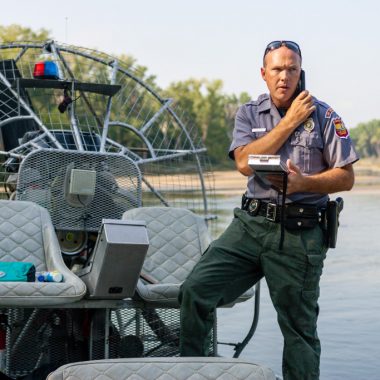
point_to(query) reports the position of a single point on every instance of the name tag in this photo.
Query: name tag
(258, 129)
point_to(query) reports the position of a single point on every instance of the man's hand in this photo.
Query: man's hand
(301, 108)
(327, 182)
(295, 179)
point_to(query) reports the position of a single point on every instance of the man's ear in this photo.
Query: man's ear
(263, 73)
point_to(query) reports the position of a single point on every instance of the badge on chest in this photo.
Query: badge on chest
(308, 125)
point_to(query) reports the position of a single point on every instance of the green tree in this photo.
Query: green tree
(15, 33)
(232, 102)
(375, 139)
(212, 111)
(221, 122)
(188, 96)
(139, 70)
(366, 137)
(217, 140)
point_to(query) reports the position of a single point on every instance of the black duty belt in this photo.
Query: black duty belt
(297, 215)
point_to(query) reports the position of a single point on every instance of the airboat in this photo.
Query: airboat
(108, 183)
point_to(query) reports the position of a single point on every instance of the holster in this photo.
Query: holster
(333, 210)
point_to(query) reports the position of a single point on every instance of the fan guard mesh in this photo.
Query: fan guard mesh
(42, 180)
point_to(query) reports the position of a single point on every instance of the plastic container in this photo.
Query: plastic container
(53, 276)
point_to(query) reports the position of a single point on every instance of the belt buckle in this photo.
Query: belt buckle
(271, 212)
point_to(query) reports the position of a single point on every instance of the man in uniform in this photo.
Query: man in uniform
(286, 243)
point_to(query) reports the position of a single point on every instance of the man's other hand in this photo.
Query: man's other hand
(301, 108)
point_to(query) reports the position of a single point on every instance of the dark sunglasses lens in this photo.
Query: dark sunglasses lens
(273, 46)
(293, 46)
(277, 44)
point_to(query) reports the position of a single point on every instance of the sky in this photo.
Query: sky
(220, 39)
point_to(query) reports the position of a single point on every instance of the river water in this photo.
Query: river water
(349, 320)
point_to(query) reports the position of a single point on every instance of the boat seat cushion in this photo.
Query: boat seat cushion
(164, 369)
(27, 234)
(177, 240)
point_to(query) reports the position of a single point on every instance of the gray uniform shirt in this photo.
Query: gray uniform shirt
(321, 142)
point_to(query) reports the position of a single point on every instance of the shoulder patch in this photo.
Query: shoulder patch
(328, 113)
(340, 129)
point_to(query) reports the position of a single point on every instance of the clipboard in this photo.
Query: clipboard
(267, 163)
(263, 165)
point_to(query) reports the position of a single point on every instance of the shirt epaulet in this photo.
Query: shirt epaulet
(325, 112)
(323, 105)
(263, 103)
(258, 102)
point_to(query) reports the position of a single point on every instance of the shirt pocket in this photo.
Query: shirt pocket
(307, 151)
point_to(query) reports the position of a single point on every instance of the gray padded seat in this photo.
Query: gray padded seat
(177, 239)
(27, 234)
(163, 369)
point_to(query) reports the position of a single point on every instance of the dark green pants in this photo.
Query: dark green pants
(245, 252)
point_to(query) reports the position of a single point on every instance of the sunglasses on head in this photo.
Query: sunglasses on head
(277, 44)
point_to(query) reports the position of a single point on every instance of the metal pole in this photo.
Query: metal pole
(108, 110)
(107, 334)
(74, 125)
(240, 346)
(167, 104)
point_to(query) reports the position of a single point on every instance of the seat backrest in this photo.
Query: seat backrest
(21, 233)
(164, 368)
(27, 234)
(177, 239)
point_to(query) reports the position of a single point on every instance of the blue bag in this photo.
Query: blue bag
(17, 271)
